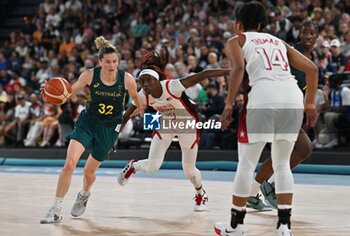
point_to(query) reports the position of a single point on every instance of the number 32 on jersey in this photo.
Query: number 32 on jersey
(105, 109)
(275, 59)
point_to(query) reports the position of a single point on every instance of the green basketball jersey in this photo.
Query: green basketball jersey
(106, 103)
(299, 75)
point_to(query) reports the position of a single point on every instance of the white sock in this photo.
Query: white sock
(271, 179)
(238, 208)
(84, 193)
(58, 202)
(284, 206)
(255, 188)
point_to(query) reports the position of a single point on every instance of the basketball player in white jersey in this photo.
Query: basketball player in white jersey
(168, 98)
(274, 111)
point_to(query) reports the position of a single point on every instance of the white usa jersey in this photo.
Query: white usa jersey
(266, 58)
(173, 104)
(175, 108)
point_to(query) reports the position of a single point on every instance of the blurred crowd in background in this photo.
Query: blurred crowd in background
(59, 41)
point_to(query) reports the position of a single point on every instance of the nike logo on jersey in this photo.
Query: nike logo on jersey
(169, 98)
(96, 85)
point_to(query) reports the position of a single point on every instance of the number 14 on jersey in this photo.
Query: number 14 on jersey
(275, 59)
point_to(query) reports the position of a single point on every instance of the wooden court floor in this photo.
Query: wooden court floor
(151, 206)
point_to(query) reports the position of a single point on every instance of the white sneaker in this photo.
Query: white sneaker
(283, 230)
(126, 173)
(225, 229)
(53, 216)
(200, 202)
(79, 205)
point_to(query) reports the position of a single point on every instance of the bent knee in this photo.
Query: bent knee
(69, 166)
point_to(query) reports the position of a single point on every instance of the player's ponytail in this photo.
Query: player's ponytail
(104, 47)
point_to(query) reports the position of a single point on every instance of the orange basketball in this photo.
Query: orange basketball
(57, 90)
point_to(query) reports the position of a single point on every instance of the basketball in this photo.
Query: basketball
(57, 91)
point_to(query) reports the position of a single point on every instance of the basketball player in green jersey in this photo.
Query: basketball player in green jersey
(97, 127)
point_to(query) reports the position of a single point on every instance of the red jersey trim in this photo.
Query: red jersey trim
(242, 135)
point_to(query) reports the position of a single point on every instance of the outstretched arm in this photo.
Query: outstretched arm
(191, 80)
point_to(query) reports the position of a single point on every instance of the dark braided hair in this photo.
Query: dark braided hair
(155, 61)
(251, 15)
